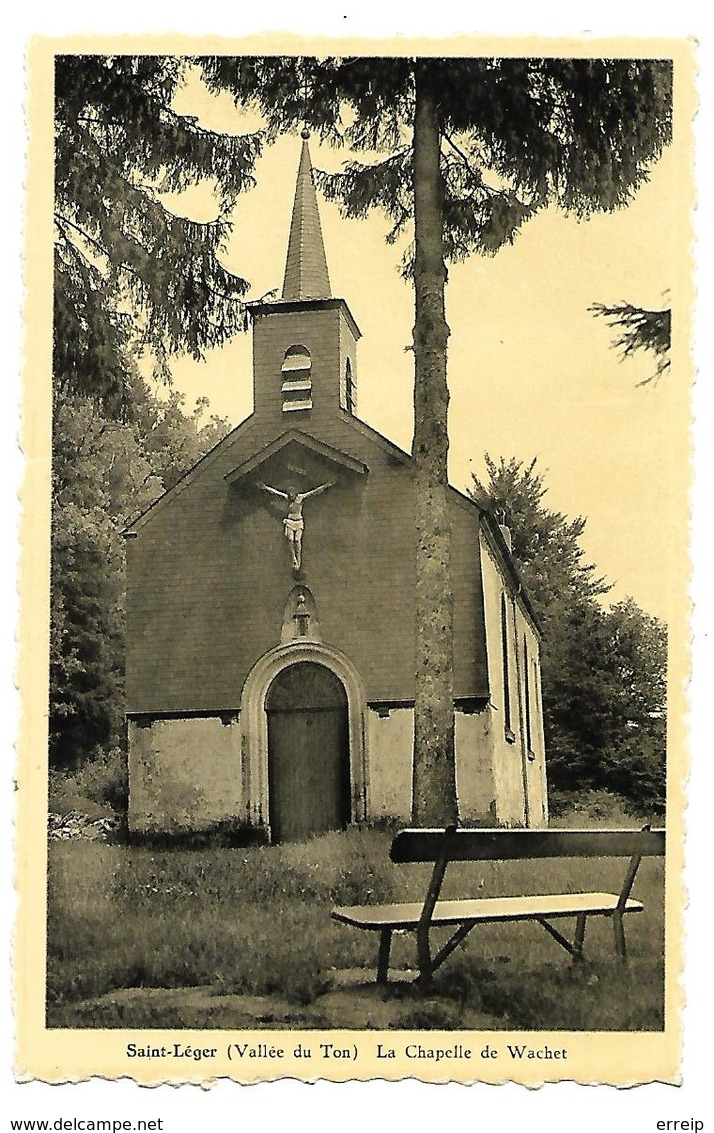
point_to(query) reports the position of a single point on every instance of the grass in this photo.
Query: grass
(255, 921)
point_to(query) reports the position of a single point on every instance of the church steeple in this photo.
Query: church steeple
(305, 343)
(306, 275)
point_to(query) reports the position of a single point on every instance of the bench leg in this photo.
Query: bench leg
(385, 944)
(579, 937)
(461, 933)
(619, 931)
(425, 980)
(576, 948)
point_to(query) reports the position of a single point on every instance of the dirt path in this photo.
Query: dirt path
(353, 1002)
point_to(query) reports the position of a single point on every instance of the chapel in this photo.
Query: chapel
(270, 599)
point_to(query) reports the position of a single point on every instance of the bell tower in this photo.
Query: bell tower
(305, 343)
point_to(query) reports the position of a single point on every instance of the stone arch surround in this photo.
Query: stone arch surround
(254, 724)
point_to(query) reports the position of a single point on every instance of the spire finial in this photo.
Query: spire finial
(305, 132)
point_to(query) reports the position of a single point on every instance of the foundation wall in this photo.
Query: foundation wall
(184, 774)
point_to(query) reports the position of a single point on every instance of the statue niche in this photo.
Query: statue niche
(300, 620)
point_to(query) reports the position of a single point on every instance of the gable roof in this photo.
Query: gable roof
(304, 440)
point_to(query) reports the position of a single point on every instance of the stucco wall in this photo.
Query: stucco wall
(475, 787)
(540, 771)
(187, 773)
(390, 739)
(508, 780)
(184, 774)
(516, 764)
(391, 743)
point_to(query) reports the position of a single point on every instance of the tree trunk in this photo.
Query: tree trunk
(434, 776)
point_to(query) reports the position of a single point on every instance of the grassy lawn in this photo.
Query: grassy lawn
(255, 922)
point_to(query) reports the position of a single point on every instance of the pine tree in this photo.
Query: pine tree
(131, 275)
(640, 329)
(468, 150)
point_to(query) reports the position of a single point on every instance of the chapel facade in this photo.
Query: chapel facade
(270, 597)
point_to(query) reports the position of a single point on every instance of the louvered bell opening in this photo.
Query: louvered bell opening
(297, 379)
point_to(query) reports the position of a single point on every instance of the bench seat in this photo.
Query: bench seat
(484, 909)
(477, 844)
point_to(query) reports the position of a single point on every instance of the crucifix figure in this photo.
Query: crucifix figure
(294, 524)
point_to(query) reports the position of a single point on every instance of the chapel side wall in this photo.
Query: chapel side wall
(506, 754)
(519, 757)
(184, 774)
(532, 729)
(470, 659)
(540, 733)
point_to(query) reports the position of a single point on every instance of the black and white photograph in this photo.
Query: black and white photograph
(354, 677)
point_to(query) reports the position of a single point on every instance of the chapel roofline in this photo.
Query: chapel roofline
(307, 441)
(284, 306)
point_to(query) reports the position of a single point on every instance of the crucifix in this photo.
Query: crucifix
(294, 524)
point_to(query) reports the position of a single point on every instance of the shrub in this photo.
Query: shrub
(590, 807)
(98, 788)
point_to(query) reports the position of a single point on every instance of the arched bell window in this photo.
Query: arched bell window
(296, 373)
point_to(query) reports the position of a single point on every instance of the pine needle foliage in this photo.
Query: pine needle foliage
(640, 330)
(132, 275)
(517, 134)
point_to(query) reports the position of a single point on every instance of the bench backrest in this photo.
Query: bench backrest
(479, 844)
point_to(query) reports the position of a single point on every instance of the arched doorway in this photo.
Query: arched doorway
(308, 752)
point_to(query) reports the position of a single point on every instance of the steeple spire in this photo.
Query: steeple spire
(306, 274)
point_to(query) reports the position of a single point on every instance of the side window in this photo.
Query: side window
(537, 696)
(527, 694)
(348, 389)
(505, 659)
(296, 373)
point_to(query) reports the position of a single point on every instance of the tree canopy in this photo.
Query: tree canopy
(545, 543)
(516, 135)
(131, 273)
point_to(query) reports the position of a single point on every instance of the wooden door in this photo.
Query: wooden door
(308, 753)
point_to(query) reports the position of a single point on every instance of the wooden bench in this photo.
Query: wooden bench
(458, 844)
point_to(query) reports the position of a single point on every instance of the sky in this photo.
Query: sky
(532, 373)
